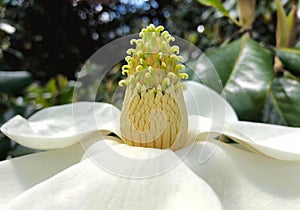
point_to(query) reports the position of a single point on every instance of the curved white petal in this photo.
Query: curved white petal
(279, 142)
(247, 181)
(86, 185)
(200, 128)
(19, 174)
(62, 126)
(201, 100)
(276, 141)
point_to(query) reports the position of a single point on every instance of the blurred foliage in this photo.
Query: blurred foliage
(261, 81)
(13, 82)
(56, 37)
(18, 96)
(44, 44)
(56, 91)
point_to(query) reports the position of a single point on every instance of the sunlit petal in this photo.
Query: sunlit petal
(200, 129)
(88, 186)
(276, 141)
(201, 100)
(19, 174)
(61, 126)
(247, 181)
(280, 142)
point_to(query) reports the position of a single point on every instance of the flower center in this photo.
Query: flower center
(154, 113)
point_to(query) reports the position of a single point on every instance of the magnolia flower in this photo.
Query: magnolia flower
(163, 154)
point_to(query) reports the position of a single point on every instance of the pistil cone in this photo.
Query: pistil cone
(154, 112)
(154, 118)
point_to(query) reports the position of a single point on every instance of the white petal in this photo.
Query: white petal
(201, 100)
(62, 126)
(276, 141)
(247, 181)
(19, 174)
(200, 128)
(88, 186)
(279, 142)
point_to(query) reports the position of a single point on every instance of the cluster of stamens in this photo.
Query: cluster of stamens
(154, 64)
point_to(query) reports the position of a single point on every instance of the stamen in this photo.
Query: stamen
(133, 41)
(174, 49)
(166, 82)
(123, 82)
(160, 28)
(125, 69)
(131, 51)
(163, 66)
(180, 85)
(139, 68)
(171, 39)
(128, 59)
(178, 68)
(184, 76)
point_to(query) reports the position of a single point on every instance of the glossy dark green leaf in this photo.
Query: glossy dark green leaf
(285, 95)
(14, 81)
(270, 114)
(245, 70)
(290, 59)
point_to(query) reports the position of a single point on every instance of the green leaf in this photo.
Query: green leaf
(217, 4)
(246, 12)
(292, 25)
(270, 114)
(245, 70)
(290, 59)
(291, 18)
(285, 95)
(282, 28)
(51, 86)
(14, 81)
